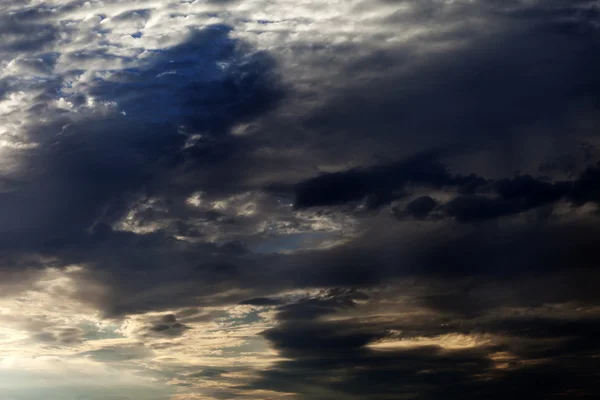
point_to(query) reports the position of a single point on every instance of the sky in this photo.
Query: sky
(299, 199)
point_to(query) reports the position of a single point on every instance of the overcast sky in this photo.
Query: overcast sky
(299, 199)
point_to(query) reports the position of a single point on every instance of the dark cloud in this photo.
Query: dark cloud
(524, 193)
(514, 196)
(59, 336)
(418, 208)
(208, 373)
(21, 32)
(95, 168)
(486, 89)
(116, 354)
(327, 303)
(383, 182)
(261, 301)
(208, 83)
(478, 198)
(167, 326)
(331, 359)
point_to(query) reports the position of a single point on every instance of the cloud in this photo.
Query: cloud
(167, 326)
(118, 353)
(313, 307)
(477, 198)
(65, 336)
(258, 199)
(418, 208)
(261, 301)
(381, 184)
(346, 347)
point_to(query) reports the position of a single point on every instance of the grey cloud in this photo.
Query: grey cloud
(326, 303)
(419, 208)
(92, 170)
(480, 92)
(59, 336)
(261, 301)
(478, 198)
(330, 359)
(167, 326)
(21, 33)
(117, 354)
(383, 182)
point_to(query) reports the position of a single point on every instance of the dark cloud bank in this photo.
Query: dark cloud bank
(484, 251)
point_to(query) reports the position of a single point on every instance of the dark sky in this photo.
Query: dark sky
(312, 200)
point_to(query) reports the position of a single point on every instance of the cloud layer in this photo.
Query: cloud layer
(314, 200)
